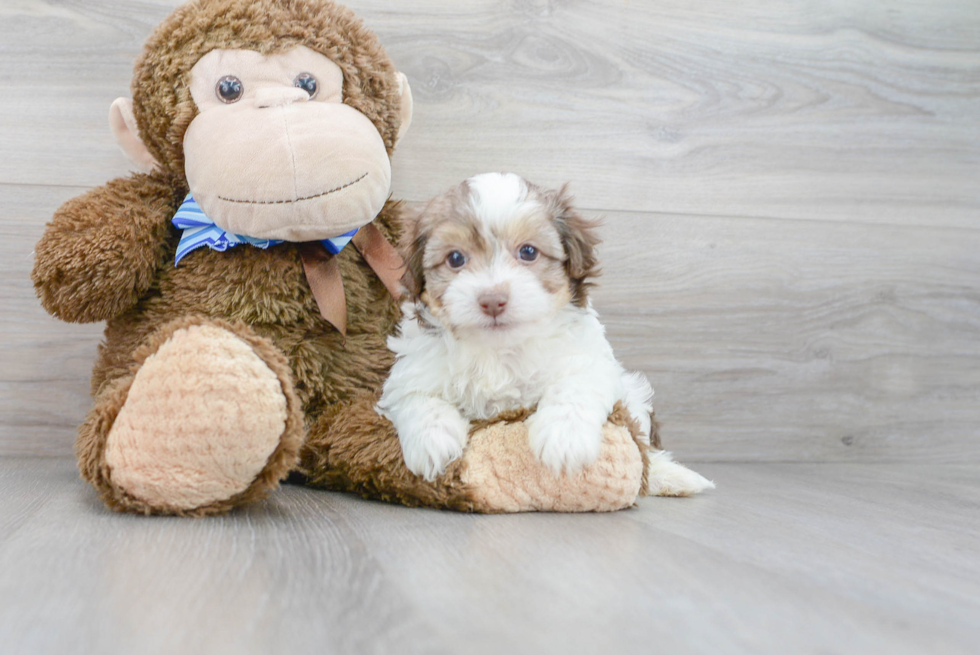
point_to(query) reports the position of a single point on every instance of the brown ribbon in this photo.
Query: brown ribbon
(323, 272)
(382, 257)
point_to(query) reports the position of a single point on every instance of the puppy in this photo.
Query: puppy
(499, 272)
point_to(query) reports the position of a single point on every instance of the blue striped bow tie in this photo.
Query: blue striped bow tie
(200, 231)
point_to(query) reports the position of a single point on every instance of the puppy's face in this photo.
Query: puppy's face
(497, 253)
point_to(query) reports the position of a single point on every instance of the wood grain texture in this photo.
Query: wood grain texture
(844, 110)
(816, 298)
(766, 340)
(793, 222)
(44, 364)
(780, 559)
(795, 340)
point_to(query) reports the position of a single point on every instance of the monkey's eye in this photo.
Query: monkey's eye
(456, 259)
(229, 89)
(308, 83)
(527, 253)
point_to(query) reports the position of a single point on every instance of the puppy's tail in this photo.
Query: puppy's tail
(665, 477)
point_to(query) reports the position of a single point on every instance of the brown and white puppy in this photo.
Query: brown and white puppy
(499, 272)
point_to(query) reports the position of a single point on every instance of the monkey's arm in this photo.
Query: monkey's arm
(100, 252)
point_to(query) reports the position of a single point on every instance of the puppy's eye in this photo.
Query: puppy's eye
(527, 253)
(308, 83)
(456, 259)
(229, 89)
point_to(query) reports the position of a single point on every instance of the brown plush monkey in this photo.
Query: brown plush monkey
(241, 333)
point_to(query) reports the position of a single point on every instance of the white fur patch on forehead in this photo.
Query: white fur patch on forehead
(498, 197)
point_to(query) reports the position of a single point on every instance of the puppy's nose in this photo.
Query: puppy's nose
(492, 303)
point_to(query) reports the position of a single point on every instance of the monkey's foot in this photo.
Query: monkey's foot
(208, 421)
(351, 447)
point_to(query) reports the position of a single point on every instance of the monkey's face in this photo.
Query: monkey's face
(275, 154)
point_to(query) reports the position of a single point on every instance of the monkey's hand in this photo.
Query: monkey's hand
(101, 251)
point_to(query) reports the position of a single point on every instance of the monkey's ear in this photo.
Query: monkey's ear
(123, 124)
(406, 106)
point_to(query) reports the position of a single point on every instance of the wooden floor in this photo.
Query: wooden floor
(791, 194)
(782, 558)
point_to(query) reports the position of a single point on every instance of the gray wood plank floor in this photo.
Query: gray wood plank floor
(764, 342)
(790, 191)
(793, 110)
(782, 558)
(792, 228)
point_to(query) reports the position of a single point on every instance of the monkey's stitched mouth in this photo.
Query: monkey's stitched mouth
(289, 202)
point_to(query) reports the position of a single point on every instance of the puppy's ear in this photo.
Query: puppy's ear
(579, 237)
(412, 249)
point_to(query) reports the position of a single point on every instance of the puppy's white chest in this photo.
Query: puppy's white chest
(485, 386)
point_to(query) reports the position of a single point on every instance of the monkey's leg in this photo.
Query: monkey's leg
(352, 448)
(207, 420)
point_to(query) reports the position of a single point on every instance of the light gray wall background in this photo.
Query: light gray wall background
(791, 193)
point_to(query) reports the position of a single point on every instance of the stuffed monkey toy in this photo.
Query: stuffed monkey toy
(248, 281)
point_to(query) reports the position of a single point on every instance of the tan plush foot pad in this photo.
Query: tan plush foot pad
(351, 448)
(503, 474)
(202, 417)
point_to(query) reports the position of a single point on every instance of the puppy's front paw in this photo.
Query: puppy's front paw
(431, 447)
(565, 438)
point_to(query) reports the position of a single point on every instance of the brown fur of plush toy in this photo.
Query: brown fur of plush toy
(109, 255)
(353, 448)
